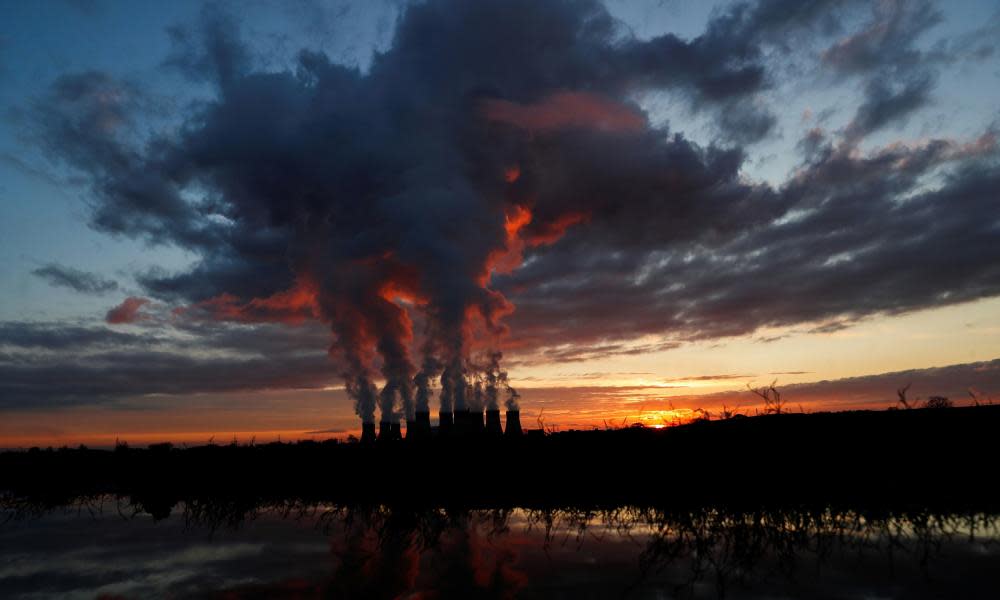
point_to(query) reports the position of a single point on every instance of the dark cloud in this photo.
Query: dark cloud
(980, 43)
(899, 75)
(745, 122)
(888, 39)
(61, 364)
(494, 134)
(848, 236)
(722, 376)
(63, 336)
(75, 279)
(117, 375)
(211, 50)
(342, 185)
(889, 102)
(89, 122)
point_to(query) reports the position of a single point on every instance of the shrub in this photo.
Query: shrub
(939, 402)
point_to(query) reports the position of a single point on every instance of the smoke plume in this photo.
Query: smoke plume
(423, 382)
(493, 131)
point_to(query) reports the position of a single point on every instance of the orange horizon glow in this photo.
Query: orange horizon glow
(581, 395)
(632, 407)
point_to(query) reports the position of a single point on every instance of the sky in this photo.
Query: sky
(280, 219)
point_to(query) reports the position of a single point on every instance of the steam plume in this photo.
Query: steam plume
(430, 369)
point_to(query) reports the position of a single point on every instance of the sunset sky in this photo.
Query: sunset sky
(260, 218)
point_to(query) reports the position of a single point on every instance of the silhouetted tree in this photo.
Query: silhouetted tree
(939, 402)
(773, 404)
(978, 399)
(901, 392)
(728, 413)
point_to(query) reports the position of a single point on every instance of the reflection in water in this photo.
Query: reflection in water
(115, 547)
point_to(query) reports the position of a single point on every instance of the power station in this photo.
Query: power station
(451, 424)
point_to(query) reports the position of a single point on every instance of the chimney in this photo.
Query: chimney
(493, 427)
(411, 430)
(445, 422)
(476, 422)
(461, 422)
(367, 433)
(395, 433)
(513, 423)
(384, 431)
(421, 426)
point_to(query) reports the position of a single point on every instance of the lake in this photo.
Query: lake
(105, 547)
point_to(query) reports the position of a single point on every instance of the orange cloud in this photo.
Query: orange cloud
(566, 110)
(127, 311)
(512, 174)
(291, 306)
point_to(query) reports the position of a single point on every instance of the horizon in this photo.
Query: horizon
(264, 219)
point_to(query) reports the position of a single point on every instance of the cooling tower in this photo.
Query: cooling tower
(476, 422)
(493, 426)
(367, 433)
(513, 423)
(461, 422)
(446, 423)
(422, 425)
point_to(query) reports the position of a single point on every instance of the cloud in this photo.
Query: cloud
(887, 39)
(127, 311)
(878, 391)
(61, 363)
(719, 377)
(382, 202)
(900, 77)
(75, 279)
(62, 336)
(566, 110)
(849, 236)
(884, 105)
(211, 50)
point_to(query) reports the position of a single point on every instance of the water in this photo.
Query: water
(109, 548)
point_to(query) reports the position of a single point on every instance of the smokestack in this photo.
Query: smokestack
(422, 424)
(445, 422)
(461, 422)
(493, 427)
(367, 433)
(411, 429)
(395, 433)
(476, 421)
(513, 423)
(384, 431)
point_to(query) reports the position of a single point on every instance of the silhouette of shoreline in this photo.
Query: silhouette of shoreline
(935, 459)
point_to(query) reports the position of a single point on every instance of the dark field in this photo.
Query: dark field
(925, 458)
(894, 504)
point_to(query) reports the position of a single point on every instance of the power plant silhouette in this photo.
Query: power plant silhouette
(455, 424)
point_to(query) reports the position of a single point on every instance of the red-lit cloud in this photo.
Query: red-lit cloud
(564, 110)
(127, 311)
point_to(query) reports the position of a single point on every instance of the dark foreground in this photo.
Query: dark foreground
(102, 547)
(926, 458)
(895, 504)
